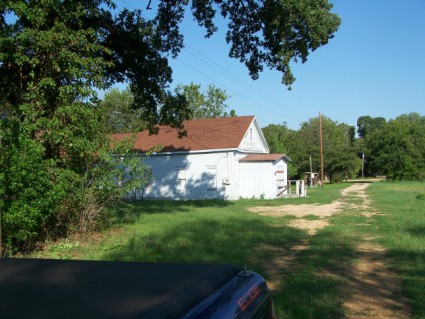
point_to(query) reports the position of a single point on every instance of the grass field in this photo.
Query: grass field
(226, 232)
(401, 230)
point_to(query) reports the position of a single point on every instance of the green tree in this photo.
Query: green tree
(339, 151)
(277, 137)
(211, 103)
(51, 63)
(397, 149)
(260, 33)
(282, 140)
(367, 124)
(119, 114)
(47, 34)
(54, 57)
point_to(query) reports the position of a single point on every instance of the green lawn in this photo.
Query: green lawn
(401, 231)
(226, 232)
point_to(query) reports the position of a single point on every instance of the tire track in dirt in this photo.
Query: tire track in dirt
(372, 291)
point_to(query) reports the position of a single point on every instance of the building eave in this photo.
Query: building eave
(193, 152)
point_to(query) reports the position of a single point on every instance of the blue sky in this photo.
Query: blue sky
(375, 65)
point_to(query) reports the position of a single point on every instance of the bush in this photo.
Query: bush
(44, 200)
(30, 196)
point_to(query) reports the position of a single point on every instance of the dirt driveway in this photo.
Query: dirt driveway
(374, 292)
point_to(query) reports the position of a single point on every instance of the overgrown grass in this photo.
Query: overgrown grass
(226, 232)
(194, 232)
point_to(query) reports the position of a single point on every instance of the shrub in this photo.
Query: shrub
(31, 196)
(44, 200)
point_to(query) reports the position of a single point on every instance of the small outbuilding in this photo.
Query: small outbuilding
(263, 175)
(311, 179)
(219, 158)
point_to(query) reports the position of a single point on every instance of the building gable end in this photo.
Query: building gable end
(253, 140)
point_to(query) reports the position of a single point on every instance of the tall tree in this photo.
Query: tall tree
(48, 34)
(283, 140)
(261, 34)
(339, 152)
(397, 149)
(119, 114)
(277, 137)
(210, 103)
(367, 124)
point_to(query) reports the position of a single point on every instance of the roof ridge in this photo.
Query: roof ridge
(202, 134)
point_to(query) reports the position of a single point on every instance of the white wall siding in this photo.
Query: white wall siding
(189, 176)
(257, 180)
(216, 173)
(262, 179)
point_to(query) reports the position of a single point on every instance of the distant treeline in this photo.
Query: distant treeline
(394, 148)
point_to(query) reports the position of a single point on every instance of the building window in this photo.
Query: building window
(280, 175)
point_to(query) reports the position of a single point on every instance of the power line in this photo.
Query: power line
(203, 58)
(208, 61)
(215, 81)
(211, 63)
(227, 73)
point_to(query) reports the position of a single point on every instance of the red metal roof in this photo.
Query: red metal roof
(202, 134)
(262, 157)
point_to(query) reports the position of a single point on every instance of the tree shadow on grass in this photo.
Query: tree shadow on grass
(129, 213)
(417, 231)
(313, 289)
(208, 240)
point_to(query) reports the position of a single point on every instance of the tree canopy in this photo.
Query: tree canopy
(339, 150)
(367, 125)
(205, 104)
(282, 140)
(397, 148)
(61, 50)
(340, 156)
(118, 113)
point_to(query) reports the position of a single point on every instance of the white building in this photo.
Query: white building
(223, 158)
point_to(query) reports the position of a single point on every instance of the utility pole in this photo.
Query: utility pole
(362, 165)
(322, 171)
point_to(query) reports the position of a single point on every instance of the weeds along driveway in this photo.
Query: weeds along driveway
(337, 271)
